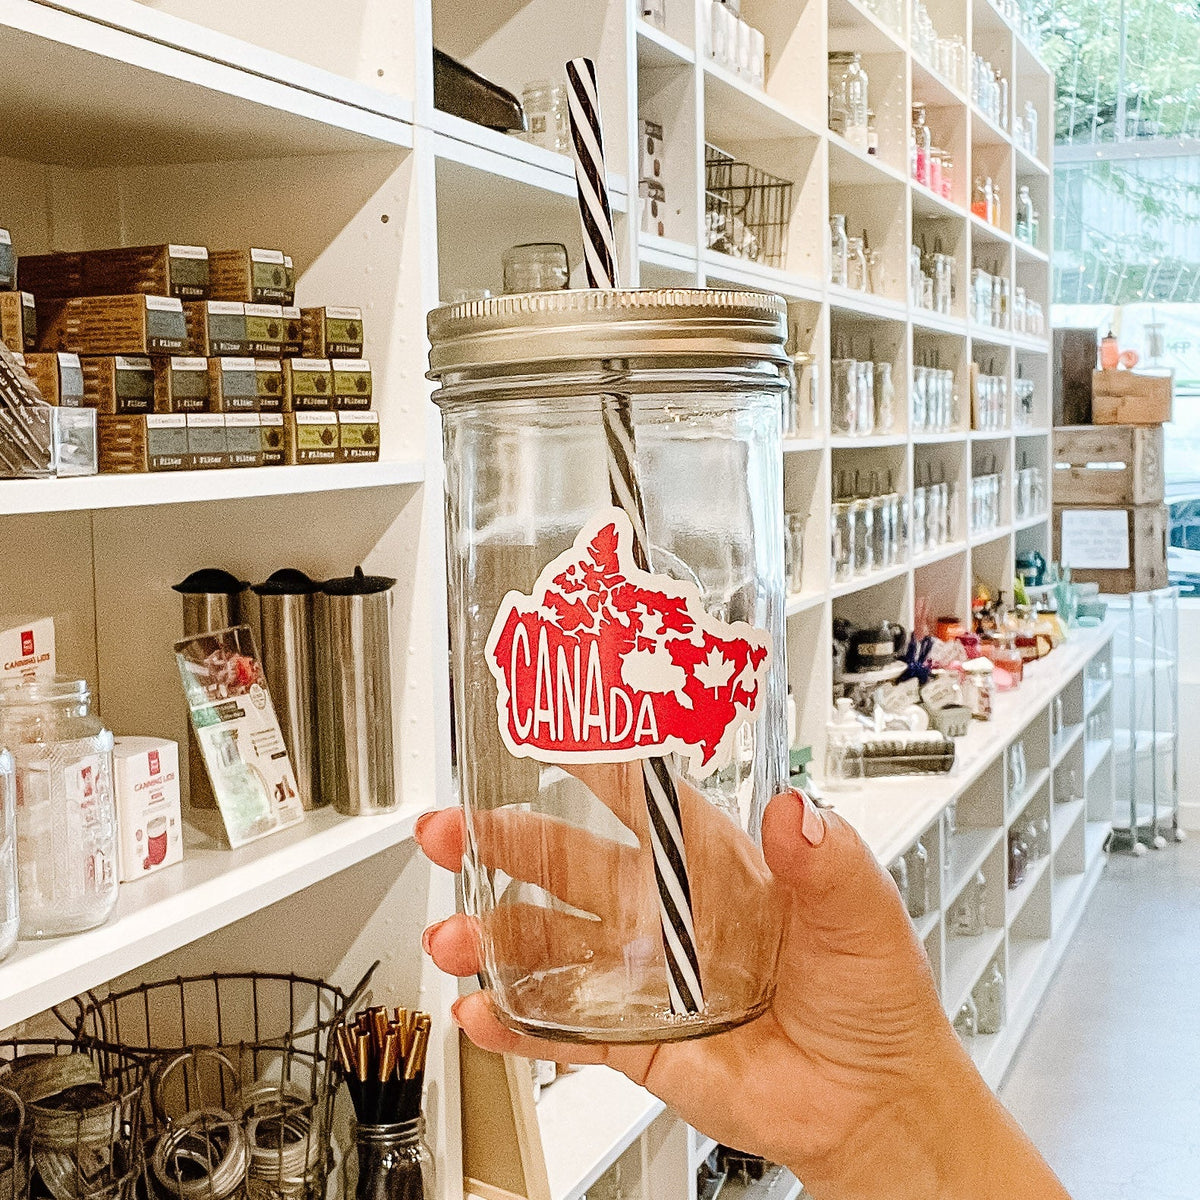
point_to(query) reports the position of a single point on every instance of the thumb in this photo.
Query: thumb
(834, 878)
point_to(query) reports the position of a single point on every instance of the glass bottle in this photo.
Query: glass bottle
(872, 134)
(922, 142)
(966, 1023)
(917, 861)
(947, 175)
(856, 265)
(393, 1163)
(865, 421)
(935, 170)
(66, 817)
(1031, 128)
(843, 748)
(1024, 215)
(885, 398)
(862, 525)
(856, 103)
(1018, 858)
(981, 198)
(988, 995)
(841, 541)
(839, 249)
(10, 905)
(967, 917)
(1001, 96)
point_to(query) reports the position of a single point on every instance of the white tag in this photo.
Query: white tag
(66, 359)
(1095, 538)
(264, 310)
(205, 420)
(241, 419)
(358, 418)
(131, 364)
(188, 364)
(164, 303)
(5, 238)
(269, 418)
(166, 421)
(291, 312)
(267, 256)
(264, 364)
(187, 251)
(237, 364)
(316, 418)
(356, 365)
(309, 364)
(343, 314)
(27, 299)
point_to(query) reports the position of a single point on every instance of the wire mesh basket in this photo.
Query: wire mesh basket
(240, 1094)
(746, 209)
(71, 1121)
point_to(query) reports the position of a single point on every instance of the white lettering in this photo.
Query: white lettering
(594, 717)
(569, 698)
(543, 695)
(647, 722)
(520, 634)
(613, 696)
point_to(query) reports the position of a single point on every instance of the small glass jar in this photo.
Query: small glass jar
(862, 525)
(876, 273)
(885, 398)
(842, 562)
(968, 916)
(547, 119)
(839, 250)
(920, 400)
(943, 283)
(856, 265)
(843, 377)
(919, 520)
(922, 144)
(66, 816)
(655, 11)
(966, 1023)
(10, 904)
(1018, 858)
(916, 277)
(391, 1162)
(988, 995)
(794, 552)
(843, 748)
(535, 267)
(919, 898)
(865, 404)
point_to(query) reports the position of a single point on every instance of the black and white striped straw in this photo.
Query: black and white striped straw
(662, 796)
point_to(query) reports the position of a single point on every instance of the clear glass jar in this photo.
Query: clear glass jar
(943, 283)
(849, 101)
(988, 995)
(547, 119)
(966, 1023)
(535, 267)
(1026, 217)
(862, 525)
(885, 398)
(919, 891)
(856, 265)
(10, 904)
(548, 450)
(842, 563)
(982, 198)
(796, 525)
(390, 1162)
(865, 391)
(968, 914)
(922, 143)
(843, 378)
(843, 748)
(1018, 858)
(919, 520)
(839, 250)
(876, 273)
(66, 816)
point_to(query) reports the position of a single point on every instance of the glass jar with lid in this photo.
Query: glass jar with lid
(839, 250)
(391, 1162)
(862, 525)
(921, 145)
(66, 815)
(848, 98)
(842, 564)
(547, 121)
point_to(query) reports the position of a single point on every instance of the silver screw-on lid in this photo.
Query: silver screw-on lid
(548, 327)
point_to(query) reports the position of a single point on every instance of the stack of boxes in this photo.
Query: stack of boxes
(1110, 519)
(195, 359)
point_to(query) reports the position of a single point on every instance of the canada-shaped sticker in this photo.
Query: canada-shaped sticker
(605, 662)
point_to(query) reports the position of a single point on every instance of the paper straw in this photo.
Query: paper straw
(662, 797)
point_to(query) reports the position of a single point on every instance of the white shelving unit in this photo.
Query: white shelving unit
(303, 125)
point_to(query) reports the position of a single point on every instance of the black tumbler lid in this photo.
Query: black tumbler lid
(209, 581)
(287, 581)
(358, 584)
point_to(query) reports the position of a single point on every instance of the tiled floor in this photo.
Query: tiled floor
(1107, 1082)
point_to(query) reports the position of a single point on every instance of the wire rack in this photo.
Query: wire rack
(71, 1121)
(240, 1092)
(746, 209)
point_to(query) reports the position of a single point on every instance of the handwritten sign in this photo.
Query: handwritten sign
(1095, 538)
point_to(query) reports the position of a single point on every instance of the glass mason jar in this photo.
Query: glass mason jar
(862, 526)
(842, 564)
(843, 380)
(548, 123)
(794, 546)
(839, 249)
(989, 1000)
(615, 558)
(535, 267)
(10, 905)
(66, 816)
(856, 265)
(390, 1162)
(920, 399)
(969, 912)
(865, 422)
(885, 398)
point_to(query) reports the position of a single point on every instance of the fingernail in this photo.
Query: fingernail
(454, 1011)
(427, 936)
(812, 824)
(421, 822)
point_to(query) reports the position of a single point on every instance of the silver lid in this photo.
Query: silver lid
(562, 326)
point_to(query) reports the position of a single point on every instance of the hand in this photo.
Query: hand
(853, 1079)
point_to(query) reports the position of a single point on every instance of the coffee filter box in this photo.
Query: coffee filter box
(146, 780)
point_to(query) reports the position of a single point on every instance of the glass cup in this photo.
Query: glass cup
(794, 547)
(535, 267)
(585, 934)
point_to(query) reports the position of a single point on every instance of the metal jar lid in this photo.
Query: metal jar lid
(544, 328)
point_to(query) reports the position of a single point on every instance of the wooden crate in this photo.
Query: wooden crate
(1128, 542)
(1108, 464)
(1128, 398)
(1075, 359)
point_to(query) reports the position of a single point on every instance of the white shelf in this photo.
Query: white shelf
(741, 272)
(966, 958)
(804, 602)
(735, 110)
(193, 487)
(1025, 250)
(802, 445)
(969, 850)
(1030, 522)
(1032, 787)
(849, 166)
(938, 554)
(1094, 754)
(123, 98)
(1064, 816)
(211, 888)
(854, 305)
(925, 320)
(666, 252)
(1067, 741)
(1028, 164)
(1095, 834)
(1025, 956)
(588, 1119)
(927, 924)
(1095, 699)
(860, 583)
(929, 205)
(658, 49)
(1016, 898)
(852, 27)
(863, 441)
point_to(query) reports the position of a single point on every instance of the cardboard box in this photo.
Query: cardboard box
(307, 384)
(8, 262)
(358, 436)
(332, 332)
(311, 437)
(26, 648)
(59, 377)
(164, 270)
(146, 790)
(1108, 464)
(233, 385)
(207, 445)
(18, 321)
(1130, 398)
(243, 439)
(118, 384)
(1122, 548)
(264, 329)
(274, 449)
(268, 380)
(76, 441)
(654, 207)
(651, 150)
(181, 385)
(216, 328)
(254, 276)
(293, 331)
(129, 325)
(134, 444)
(352, 384)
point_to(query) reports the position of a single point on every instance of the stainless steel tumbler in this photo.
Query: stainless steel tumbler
(284, 633)
(354, 708)
(212, 599)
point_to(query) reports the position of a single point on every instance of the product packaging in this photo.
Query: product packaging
(217, 327)
(254, 276)
(650, 153)
(207, 445)
(239, 734)
(358, 436)
(307, 384)
(270, 427)
(118, 384)
(26, 434)
(179, 271)
(268, 384)
(26, 648)
(59, 377)
(8, 262)
(76, 441)
(264, 329)
(293, 331)
(654, 203)
(18, 321)
(233, 385)
(332, 332)
(146, 783)
(181, 385)
(132, 444)
(243, 439)
(131, 324)
(351, 383)
(311, 437)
